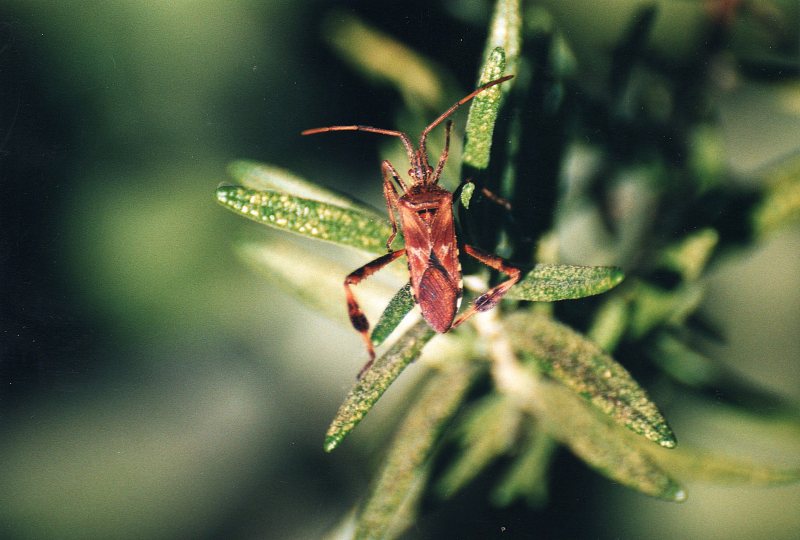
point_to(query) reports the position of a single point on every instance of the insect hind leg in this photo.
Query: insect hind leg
(492, 297)
(354, 311)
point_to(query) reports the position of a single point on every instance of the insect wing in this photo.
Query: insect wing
(433, 262)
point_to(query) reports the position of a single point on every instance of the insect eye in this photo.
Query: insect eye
(411, 173)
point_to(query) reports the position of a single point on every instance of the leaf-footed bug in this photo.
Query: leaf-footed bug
(426, 217)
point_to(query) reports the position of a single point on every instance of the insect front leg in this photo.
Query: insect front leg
(492, 297)
(357, 317)
(390, 194)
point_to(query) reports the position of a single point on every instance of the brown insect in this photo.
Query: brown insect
(426, 216)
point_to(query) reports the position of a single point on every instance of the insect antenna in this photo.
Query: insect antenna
(403, 137)
(453, 109)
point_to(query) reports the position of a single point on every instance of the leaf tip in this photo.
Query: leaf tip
(615, 277)
(668, 441)
(331, 442)
(223, 193)
(676, 494)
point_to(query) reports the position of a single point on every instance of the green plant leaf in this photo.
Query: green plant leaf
(653, 306)
(583, 367)
(527, 477)
(306, 217)
(505, 32)
(551, 282)
(682, 363)
(262, 176)
(466, 194)
(483, 112)
(399, 306)
(392, 504)
(374, 382)
(487, 431)
(602, 445)
(609, 323)
(694, 465)
(382, 57)
(781, 204)
(314, 280)
(690, 256)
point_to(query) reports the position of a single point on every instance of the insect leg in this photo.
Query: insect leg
(490, 298)
(390, 194)
(357, 317)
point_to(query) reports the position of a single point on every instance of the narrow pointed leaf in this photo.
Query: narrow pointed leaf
(603, 445)
(374, 382)
(609, 323)
(314, 280)
(488, 431)
(552, 282)
(306, 217)
(505, 32)
(781, 203)
(382, 57)
(261, 176)
(392, 504)
(683, 363)
(707, 467)
(483, 113)
(399, 306)
(654, 306)
(582, 366)
(690, 256)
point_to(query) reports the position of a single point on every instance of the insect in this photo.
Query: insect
(426, 216)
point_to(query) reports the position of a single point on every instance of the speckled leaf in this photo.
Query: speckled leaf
(261, 176)
(392, 504)
(374, 382)
(601, 444)
(551, 282)
(488, 431)
(399, 306)
(483, 113)
(466, 194)
(306, 217)
(582, 366)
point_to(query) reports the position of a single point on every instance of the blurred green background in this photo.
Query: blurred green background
(154, 387)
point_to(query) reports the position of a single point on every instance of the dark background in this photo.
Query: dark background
(152, 386)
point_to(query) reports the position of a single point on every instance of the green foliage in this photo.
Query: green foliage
(374, 382)
(552, 282)
(584, 368)
(306, 217)
(551, 384)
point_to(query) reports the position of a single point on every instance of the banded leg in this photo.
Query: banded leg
(492, 297)
(357, 317)
(390, 194)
